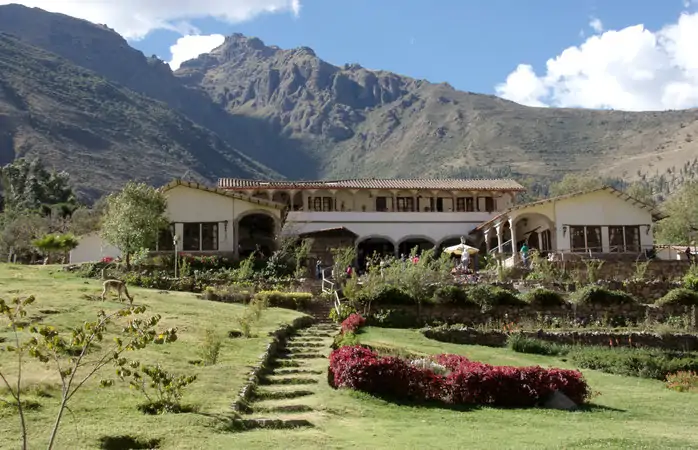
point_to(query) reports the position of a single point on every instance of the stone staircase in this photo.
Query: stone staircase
(286, 396)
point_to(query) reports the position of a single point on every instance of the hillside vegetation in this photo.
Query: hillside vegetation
(248, 109)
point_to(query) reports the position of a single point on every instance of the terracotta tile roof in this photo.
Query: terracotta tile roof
(374, 183)
(656, 215)
(259, 201)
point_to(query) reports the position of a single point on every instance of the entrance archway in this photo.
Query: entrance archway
(406, 246)
(373, 247)
(256, 231)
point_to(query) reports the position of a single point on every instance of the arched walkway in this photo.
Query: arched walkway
(536, 230)
(407, 244)
(373, 246)
(256, 231)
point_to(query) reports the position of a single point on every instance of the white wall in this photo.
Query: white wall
(187, 204)
(394, 226)
(601, 208)
(92, 248)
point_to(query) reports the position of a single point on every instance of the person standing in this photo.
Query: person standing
(318, 269)
(524, 254)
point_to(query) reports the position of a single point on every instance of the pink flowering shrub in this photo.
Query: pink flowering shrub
(352, 323)
(468, 382)
(106, 259)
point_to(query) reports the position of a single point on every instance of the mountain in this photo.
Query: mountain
(251, 110)
(361, 122)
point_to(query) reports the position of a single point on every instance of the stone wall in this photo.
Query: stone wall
(617, 315)
(624, 270)
(471, 336)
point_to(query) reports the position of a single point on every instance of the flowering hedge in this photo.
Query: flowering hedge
(352, 323)
(468, 382)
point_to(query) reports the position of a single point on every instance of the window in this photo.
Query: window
(489, 204)
(200, 236)
(469, 204)
(624, 239)
(460, 204)
(440, 204)
(381, 203)
(320, 204)
(209, 236)
(584, 239)
(191, 236)
(545, 244)
(405, 204)
(165, 240)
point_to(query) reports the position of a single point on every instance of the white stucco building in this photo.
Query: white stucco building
(390, 216)
(603, 220)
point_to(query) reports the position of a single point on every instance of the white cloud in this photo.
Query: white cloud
(189, 47)
(596, 25)
(629, 69)
(134, 19)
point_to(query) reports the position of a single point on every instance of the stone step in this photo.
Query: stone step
(279, 380)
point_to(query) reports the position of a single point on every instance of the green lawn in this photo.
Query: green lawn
(630, 413)
(100, 412)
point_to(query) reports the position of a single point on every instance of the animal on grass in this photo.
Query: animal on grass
(118, 286)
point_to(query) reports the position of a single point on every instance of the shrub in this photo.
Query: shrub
(544, 298)
(634, 362)
(522, 344)
(345, 339)
(352, 323)
(683, 381)
(459, 380)
(453, 295)
(690, 281)
(344, 312)
(679, 297)
(210, 348)
(488, 296)
(593, 295)
(289, 300)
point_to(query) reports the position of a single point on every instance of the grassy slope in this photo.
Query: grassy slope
(630, 413)
(97, 412)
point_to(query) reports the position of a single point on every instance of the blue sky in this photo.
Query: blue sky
(620, 54)
(473, 45)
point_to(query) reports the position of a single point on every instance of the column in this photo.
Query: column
(292, 194)
(487, 239)
(540, 242)
(334, 200)
(514, 247)
(394, 197)
(353, 199)
(236, 240)
(499, 229)
(453, 201)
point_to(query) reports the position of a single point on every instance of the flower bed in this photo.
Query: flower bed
(464, 381)
(352, 323)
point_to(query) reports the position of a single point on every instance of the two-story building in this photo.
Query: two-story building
(383, 215)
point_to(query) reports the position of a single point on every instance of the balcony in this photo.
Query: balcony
(340, 217)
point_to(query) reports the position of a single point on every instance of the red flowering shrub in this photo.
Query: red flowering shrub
(468, 383)
(363, 370)
(352, 323)
(106, 259)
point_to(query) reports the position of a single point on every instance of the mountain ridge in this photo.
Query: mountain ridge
(286, 113)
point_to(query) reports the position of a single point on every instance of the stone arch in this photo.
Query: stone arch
(256, 230)
(539, 235)
(407, 243)
(371, 245)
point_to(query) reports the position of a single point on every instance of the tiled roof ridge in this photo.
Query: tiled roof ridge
(380, 183)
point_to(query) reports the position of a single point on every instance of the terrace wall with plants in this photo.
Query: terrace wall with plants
(493, 338)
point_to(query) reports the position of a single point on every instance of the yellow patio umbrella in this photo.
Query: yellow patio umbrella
(460, 248)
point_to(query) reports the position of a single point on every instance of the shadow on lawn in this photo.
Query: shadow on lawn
(589, 407)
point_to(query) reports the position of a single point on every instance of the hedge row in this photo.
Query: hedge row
(451, 379)
(489, 296)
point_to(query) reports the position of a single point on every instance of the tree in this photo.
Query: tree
(18, 229)
(573, 182)
(55, 243)
(681, 225)
(133, 218)
(79, 356)
(642, 191)
(28, 185)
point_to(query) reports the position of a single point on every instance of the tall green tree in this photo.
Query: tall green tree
(573, 182)
(28, 185)
(642, 191)
(681, 225)
(133, 218)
